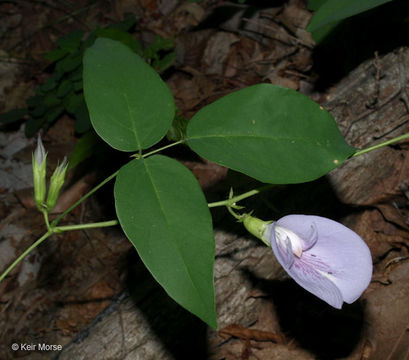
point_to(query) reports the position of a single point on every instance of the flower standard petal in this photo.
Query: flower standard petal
(334, 258)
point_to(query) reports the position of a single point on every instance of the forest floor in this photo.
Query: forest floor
(218, 47)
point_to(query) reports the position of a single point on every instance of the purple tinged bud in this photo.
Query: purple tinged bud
(39, 152)
(61, 168)
(323, 256)
(39, 163)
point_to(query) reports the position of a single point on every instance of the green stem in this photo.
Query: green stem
(232, 200)
(381, 145)
(47, 222)
(53, 230)
(87, 195)
(25, 253)
(159, 150)
(233, 213)
(86, 226)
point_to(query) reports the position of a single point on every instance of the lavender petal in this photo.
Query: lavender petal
(335, 264)
(306, 276)
(316, 283)
(311, 238)
(339, 254)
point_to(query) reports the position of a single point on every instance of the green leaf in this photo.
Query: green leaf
(124, 37)
(130, 107)
(273, 134)
(88, 41)
(72, 41)
(33, 125)
(51, 100)
(12, 116)
(39, 110)
(157, 45)
(35, 100)
(50, 84)
(83, 149)
(56, 54)
(75, 75)
(163, 212)
(126, 24)
(82, 123)
(65, 87)
(78, 86)
(336, 10)
(73, 102)
(52, 114)
(58, 73)
(321, 33)
(69, 63)
(177, 131)
(314, 5)
(165, 62)
(160, 44)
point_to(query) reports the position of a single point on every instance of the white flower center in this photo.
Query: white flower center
(282, 234)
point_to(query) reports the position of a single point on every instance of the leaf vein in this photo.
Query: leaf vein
(172, 235)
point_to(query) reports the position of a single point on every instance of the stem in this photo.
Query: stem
(53, 230)
(86, 226)
(160, 149)
(25, 253)
(381, 145)
(237, 216)
(240, 197)
(47, 222)
(57, 220)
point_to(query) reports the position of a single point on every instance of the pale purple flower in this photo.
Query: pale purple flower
(323, 256)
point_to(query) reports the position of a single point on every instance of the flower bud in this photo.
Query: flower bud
(56, 183)
(39, 163)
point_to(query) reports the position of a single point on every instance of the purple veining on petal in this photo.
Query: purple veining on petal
(335, 263)
(313, 281)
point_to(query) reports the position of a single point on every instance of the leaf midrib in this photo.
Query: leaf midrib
(256, 136)
(133, 129)
(172, 235)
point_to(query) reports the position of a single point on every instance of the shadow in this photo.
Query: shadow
(224, 13)
(313, 198)
(356, 39)
(181, 333)
(326, 332)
